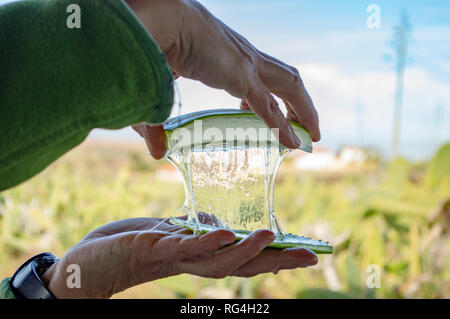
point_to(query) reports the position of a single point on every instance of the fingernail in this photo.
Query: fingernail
(306, 256)
(296, 141)
(229, 239)
(226, 242)
(266, 238)
(220, 237)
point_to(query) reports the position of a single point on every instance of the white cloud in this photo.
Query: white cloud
(336, 94)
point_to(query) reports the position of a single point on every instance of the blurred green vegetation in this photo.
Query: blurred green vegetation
(395, 215)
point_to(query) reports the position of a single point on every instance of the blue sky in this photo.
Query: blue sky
(348, 68)
(314, 28)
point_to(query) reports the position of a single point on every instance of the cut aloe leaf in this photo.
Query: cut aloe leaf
(287, 241)
(231, 129)
(223, 120)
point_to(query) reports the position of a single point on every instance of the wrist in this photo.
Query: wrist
(56, 281)
(51, 282)
(161, 18)
(48, 275)
(89, 280)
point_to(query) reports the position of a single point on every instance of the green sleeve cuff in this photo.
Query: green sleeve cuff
(58, 83)
(5, 290)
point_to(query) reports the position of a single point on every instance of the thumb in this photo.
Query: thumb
(155, 138)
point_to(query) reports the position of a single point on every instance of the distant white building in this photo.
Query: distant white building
(322, 159)
(319, 160)
(352, 155)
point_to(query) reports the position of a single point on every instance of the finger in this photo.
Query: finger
(291, 116)
(215, 221)
(244, 106)
(262, 103)
(275, 60)
(273, 260)
(181, 230)
(175, 75)
(178, 247)
(285, 82)
(204, 218)
(138, 128)
(156, 140)
(225, 261)
(208, 219)
(184, 231)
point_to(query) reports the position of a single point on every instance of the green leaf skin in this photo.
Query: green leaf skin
(288, 241)
(233, 118)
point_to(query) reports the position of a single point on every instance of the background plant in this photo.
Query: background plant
(395, 214)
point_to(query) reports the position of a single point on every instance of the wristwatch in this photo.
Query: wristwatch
(27, 283)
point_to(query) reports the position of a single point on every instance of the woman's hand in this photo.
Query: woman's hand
(126, 253)
(199, 46)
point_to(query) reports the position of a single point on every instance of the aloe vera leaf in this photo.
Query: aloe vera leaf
(232, 118)
(288, 241)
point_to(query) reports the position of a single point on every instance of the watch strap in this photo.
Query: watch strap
(27, 283)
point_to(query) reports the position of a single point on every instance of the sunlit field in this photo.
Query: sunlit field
(388, 215)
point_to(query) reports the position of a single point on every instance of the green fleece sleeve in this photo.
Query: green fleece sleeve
(58, 83)
(5, 290)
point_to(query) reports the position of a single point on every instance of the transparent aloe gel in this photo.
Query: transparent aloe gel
(234, 185)
(231, 177)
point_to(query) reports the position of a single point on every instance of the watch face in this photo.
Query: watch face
(26, 282)
(44, 263)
